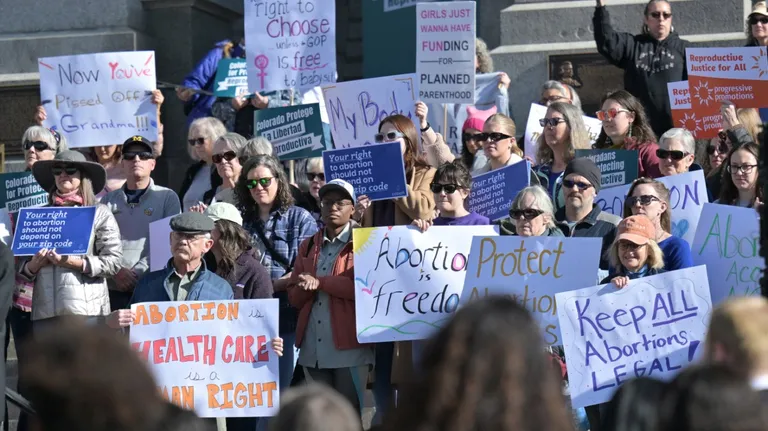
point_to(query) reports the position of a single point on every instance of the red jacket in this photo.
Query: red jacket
(647, 158)
(340, 287)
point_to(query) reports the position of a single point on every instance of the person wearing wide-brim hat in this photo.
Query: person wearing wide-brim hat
(65, 285)
(757, 25)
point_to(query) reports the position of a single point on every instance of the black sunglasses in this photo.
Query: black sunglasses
(69, 170)
(644, 200)
(753, 20)
(470, 137)
(438, 188)
(675, 155)
(263, 182)
(39, 146)
(544, 122)
(721, 148)
(491, 137)
(528, 214)
(657, 15)
(312, 177)
(142, 155)
(196, 141)
(228, 156)
(569, 184)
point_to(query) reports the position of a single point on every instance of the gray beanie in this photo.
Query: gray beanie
(586, 168)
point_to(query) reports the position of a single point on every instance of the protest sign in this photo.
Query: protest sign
(408, 283)
(295, 132)
(159, 243)
(445, 51)
(20, 190)
(531, 270)
(448, 118)
(390, 5)
(533, 129)
(377, 171)
(213, 357)
(231, 78)
(296, 45)
(6, 227)
(493, 192)
(67, 229)
(652, 328)
(617, 167)
(687, 195)
(704, 122)
(739, 75)
(99, 99)
(356, 108)
(727, 241)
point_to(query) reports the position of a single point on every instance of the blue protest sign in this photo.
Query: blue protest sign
(617, 167)
(67, 229)
(376, 171)
(20, 190)
(492, 193)
(231, 78)
(296, 132)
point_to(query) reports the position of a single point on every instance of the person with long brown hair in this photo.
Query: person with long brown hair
(741, 182)
(626, 127)
(486, 370)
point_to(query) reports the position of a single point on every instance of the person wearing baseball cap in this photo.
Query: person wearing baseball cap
(583, 218)
(322, 288)
(135, 205)
(634, 253)
(757, 22)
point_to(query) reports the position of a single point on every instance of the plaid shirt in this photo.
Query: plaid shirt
(285, 229)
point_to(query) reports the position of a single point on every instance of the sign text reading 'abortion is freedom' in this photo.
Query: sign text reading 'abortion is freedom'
(211, 357)
(99, 99)
(66, 229)
(652, 327)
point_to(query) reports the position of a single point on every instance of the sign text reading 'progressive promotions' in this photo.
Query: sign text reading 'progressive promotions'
(532, 270)
(652, 327)
(739, 75)
(99, 99)
(445, 51)
(702, 122)
(728, 243)
(296, 45)
(213, 357)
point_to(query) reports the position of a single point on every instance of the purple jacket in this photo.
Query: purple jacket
(250, 280)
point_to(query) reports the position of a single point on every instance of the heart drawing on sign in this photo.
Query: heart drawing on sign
(680, 228)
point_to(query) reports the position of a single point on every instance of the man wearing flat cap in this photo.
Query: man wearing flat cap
(581, 184)
(186, 277)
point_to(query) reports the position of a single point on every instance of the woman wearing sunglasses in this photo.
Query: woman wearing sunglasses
(634, 253)
(564, 133)
(650, 60)
(499, 144)
(77, 285)
(451, 187)
(531, 214)
(625, 127)
(314, 173)
(676, 152)
(741, 182)
(201, 176)
(40, 143)
(757, 25)
(227, 157)
(650, 198)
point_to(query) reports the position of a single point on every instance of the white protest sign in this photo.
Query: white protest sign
(532, 269)
(653, 327)
(159, 243)
(727, 241)
(533, 129)
(99, 99)
(213, 357)
(408, 283)
(355, 108)
(445, 51)
(687, 195)
(295, 44)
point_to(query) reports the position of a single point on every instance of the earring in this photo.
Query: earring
(630, 130)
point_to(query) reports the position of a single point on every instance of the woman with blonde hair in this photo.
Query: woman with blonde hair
(635, 252)
(201, 176)
(499, 144)
(564, 133)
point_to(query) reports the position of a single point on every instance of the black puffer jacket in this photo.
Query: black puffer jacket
(648, 64)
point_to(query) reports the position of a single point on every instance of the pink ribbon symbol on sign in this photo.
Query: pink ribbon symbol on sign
(261, 62)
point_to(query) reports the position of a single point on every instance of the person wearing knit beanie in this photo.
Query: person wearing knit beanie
(587, 169)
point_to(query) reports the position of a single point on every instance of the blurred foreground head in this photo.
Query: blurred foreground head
(486, 370)
(315, 407)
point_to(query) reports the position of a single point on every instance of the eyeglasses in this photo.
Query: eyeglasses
(657, 15)
(742, 169)
(69, 170)
(629, 245)
(438, 188)
(228, 156)
(470, 137)
(721, 148)
(263, 182)
(544, 122)
(551, 99)
(142, 155)
(754, 20)
(643, 200)
(311, 176)
(569, 184)
(387, 137)
(39, 146)
(196, 141)
(674, 154)
(609, 114)
(491, 137)
(528, 214)
(341, 203)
